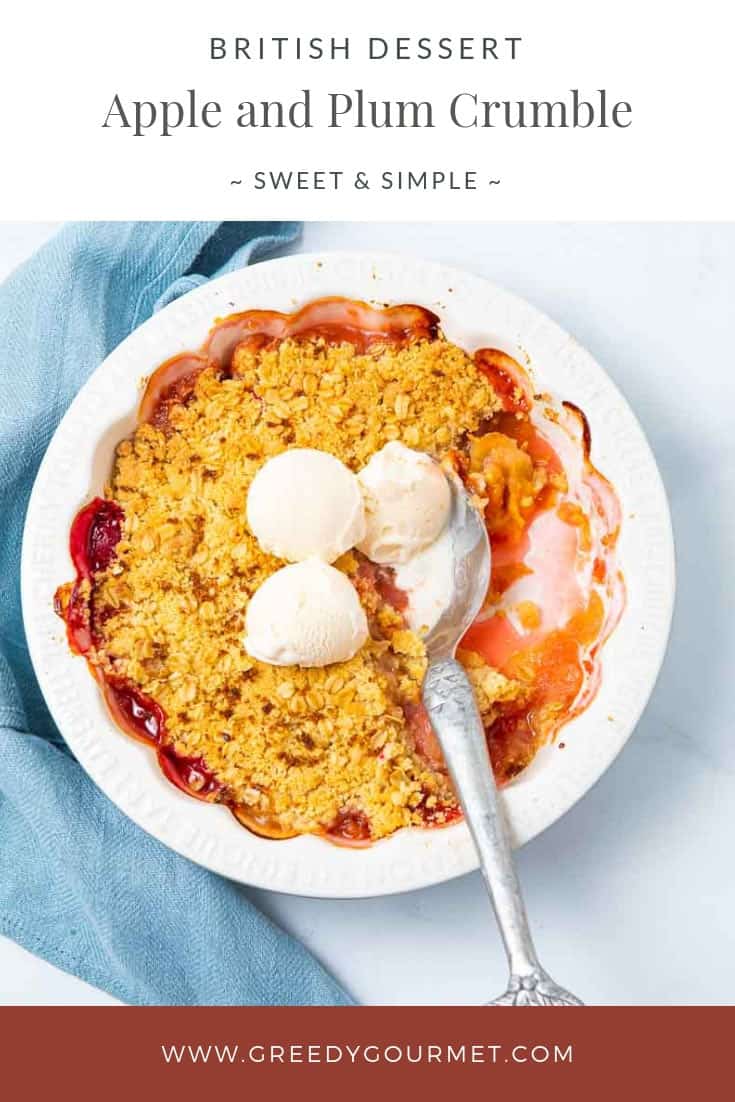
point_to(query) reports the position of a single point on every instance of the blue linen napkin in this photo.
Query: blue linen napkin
(81, 885)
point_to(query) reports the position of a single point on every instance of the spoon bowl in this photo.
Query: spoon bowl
(471, 558)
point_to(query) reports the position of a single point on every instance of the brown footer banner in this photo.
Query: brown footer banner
(124, 1053)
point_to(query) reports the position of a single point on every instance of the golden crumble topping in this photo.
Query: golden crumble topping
(426, 395)
(293, 747)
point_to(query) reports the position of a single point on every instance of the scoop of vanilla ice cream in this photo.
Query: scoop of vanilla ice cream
(407, 501)
(305, 503)
(306, 614)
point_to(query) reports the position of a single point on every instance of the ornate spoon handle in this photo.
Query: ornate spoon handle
(451, 706)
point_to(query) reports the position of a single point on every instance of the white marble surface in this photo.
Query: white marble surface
(631, 895)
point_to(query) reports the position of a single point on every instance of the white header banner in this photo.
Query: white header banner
(513, 110)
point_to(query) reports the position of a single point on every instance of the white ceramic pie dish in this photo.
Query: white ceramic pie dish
(473, 313)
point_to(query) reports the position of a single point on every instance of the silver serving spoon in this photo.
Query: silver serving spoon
(451, 706)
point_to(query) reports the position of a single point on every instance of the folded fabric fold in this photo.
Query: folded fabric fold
(81, 885)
